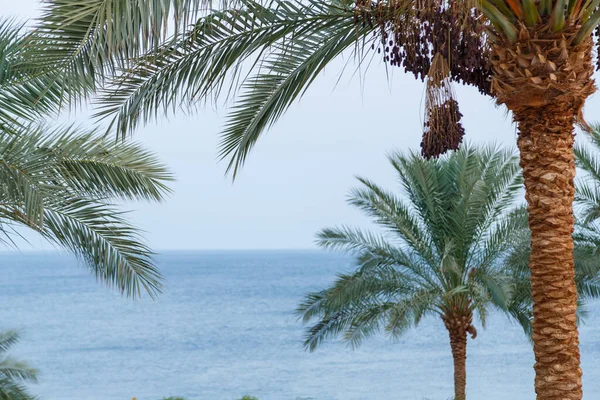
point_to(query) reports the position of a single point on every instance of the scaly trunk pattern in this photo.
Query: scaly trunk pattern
(458, 343)
(458, 326)
(546, 146)
(544, 79)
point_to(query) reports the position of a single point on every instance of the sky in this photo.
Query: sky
(297, 178)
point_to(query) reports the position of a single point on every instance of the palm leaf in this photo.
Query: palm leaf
(61, 186)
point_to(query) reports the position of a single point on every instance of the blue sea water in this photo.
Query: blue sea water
(225, 327)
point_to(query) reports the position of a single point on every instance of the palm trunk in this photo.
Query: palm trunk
(458, 326)
(458, 343)
(546, 146)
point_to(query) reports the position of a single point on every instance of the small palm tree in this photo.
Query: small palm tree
(442, 252)
(13, 373)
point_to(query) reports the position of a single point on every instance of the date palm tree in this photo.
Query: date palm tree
(441, 252)
(534, 57)
(13, 373)
(455, 248)
(63, 182)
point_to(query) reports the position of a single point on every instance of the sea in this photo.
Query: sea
(225, 327)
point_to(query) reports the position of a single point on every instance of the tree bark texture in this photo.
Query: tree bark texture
(546, 147)
(458, 326)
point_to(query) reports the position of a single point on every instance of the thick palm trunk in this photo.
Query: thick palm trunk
(544, 79)
(546, 146)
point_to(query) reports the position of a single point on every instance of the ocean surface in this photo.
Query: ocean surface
(225, 327)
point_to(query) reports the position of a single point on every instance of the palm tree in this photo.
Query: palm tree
(13, 372)
(63, 181)
(442, 252)
(534, 57)
(454, 248)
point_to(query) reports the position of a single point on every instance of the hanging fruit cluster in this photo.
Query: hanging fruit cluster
(442, 130)
(411, 39)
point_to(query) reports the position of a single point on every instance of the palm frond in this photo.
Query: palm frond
(101, 237)
(388, 211)
(284, 75)
(17, 370)
(84, 42)
(11, 390)
(25, 95)
(8, 339)
(13, 372)
(283, 47)
(61, 186)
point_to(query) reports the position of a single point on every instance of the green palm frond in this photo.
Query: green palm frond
(374, 252)
(492, 182)
(409, 311)
(8, 339)
(24, 93)
(275, 51)
(60, 183)
(13, 373)
(100, 168)
(17, 370)
(388, 211)
(284, 76)
(587, 195)
(83, 42)
(528, 13)
(11, 390)
(109, 245)
(328, 326)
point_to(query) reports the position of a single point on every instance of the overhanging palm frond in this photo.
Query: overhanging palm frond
(24, 94)
(8, 339)
(101, 168)
(109, 245)
(285, 75)
(11, 390)
(283, 45)
(61, 186)
(17, 370)
(86, 41)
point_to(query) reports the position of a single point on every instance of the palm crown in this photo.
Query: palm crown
(442, 252)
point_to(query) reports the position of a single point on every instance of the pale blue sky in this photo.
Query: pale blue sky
(296, 179)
